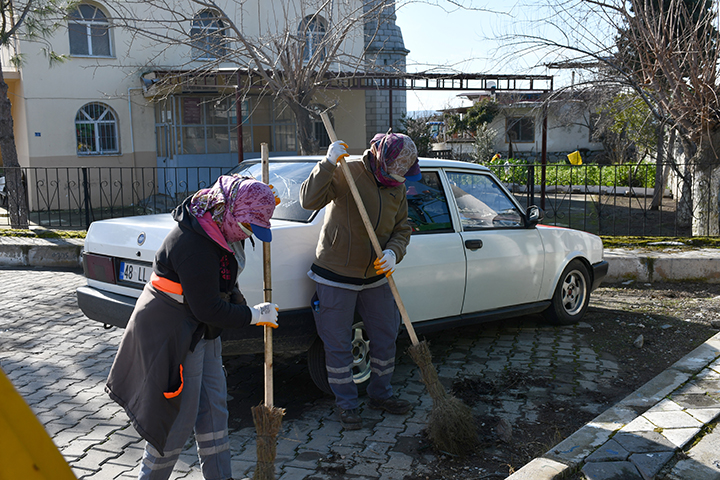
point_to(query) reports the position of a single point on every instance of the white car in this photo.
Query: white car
(475, 255)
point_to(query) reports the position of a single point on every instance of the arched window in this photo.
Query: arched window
(208, 37)
(96, 130)
(89, 32)
(312, 28)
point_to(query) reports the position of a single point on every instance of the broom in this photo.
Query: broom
(267, 418)
(451, 425)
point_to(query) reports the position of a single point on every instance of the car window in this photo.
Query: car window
(427, 205)
(286, 177)
(482, 203)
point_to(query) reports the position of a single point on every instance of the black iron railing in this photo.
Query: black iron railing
(606, 200)
(74, 197)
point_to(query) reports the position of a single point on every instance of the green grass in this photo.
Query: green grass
(42, 233)
(652, 242)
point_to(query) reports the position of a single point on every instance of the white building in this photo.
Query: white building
(102, 108)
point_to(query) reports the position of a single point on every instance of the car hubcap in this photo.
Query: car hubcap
(360, 351)
(573, 292)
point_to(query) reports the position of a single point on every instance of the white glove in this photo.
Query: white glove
(265, 314)
(336, 151)
(386, 264)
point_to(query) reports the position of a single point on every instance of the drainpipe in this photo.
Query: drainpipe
(132, 136)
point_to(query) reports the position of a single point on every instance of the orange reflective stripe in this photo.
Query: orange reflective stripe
(165, 285)
(179, 390)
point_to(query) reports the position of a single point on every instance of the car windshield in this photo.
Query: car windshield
(286, 177)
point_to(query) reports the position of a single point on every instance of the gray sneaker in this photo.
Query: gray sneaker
(392, 405)
(350, 419)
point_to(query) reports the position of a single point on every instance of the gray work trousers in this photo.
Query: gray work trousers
(204, 411)
(334, 318)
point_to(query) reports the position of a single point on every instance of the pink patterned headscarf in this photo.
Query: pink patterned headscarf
(233, 200)
(393, 155)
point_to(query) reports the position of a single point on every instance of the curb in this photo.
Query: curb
(668, 265)
(572, 453)
(41, 252)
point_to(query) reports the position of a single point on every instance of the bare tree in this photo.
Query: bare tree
(32, 20)
(666, 51)
(290, 50)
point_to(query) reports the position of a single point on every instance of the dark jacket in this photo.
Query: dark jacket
(161, 331)
(344, 247)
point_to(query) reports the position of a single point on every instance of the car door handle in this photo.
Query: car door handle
(473, 244)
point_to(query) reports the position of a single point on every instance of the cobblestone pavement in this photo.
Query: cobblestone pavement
(59, 360)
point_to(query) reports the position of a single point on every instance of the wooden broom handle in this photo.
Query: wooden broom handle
(267, 288)
(370, 230)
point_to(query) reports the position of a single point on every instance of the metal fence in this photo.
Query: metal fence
(74, 197)
(605, 200)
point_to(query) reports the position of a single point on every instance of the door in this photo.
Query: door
(504, 259)
(431, 277)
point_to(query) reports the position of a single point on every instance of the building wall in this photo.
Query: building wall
(47, 99)
(563, 136)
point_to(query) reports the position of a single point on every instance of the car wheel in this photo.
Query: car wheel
(571, 297)
(361, 361)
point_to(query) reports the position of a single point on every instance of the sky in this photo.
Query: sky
(459, 39)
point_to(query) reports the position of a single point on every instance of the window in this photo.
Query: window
(208, 38)
(482, 203)
(96, 130)
(89, 32)
(207, 124)
(520, 129)
(427, 206)
(312, 29)
(319, 132)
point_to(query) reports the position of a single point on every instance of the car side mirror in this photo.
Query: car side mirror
(533, 216)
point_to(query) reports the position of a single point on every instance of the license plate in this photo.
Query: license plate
(134, 273)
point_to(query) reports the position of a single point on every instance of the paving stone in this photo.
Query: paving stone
(610, 451)
(65, 362)
(640, 424)
(696, 400)
(611, 471)
(680, 436)
(644, 442)
(650, 464)
(672, 419)
(704, 415)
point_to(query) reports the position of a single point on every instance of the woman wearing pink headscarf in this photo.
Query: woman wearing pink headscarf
(346, 271)
(168, 374)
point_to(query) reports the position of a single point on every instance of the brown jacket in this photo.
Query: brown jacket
(344, 246)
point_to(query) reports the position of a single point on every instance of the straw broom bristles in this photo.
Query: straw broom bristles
(451, 426)
(268, 421)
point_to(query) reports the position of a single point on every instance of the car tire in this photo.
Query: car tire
(361, 361)
(572, 295)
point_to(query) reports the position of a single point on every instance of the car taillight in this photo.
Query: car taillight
(99, 268)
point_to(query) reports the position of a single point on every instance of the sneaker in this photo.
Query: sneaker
(392, 405)
(350, 419)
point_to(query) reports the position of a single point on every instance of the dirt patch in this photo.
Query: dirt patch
(644, 328)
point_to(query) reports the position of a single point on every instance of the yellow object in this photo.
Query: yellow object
(26, 450)
(495, 157)
(575, 158)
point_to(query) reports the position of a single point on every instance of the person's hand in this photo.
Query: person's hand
(386, 264)
(336, 151)
(265, 314)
